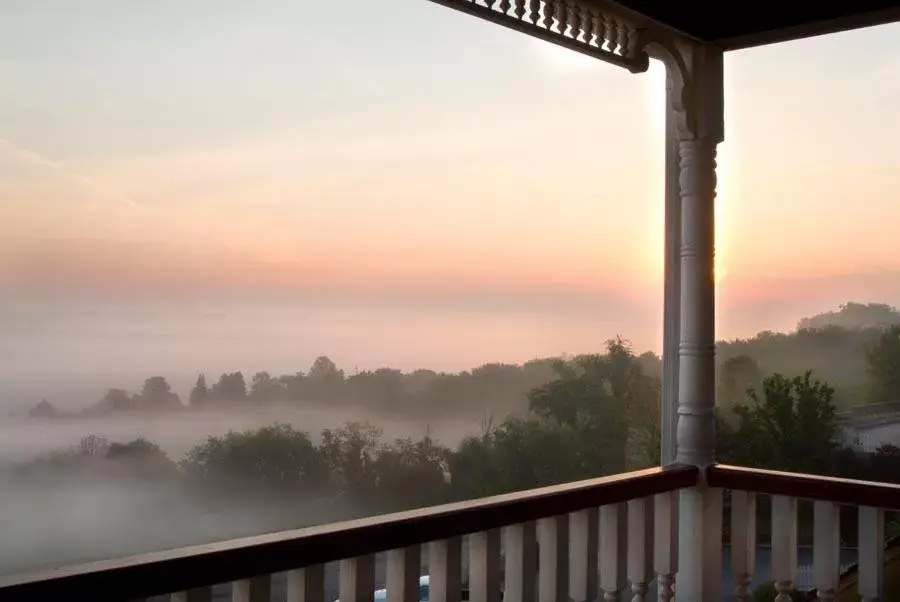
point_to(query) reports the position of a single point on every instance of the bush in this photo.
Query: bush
(766, 593)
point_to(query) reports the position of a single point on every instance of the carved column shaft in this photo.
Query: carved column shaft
(697, 111)
(696, 383)
(671, 288)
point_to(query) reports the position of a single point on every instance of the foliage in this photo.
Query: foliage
(276, 457)
(792, 427)
(200, 392)
(883, 360)
(95, 455)
(765, 592)
(116, 400)
(737, 374)
(412, 474)
(156, 394)
(835, 351)
(606, 401)
(854, 316)
(265, 388)
(231, 387)
(849, 345)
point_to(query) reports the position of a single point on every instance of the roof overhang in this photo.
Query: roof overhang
(735, 25)
(625, 32)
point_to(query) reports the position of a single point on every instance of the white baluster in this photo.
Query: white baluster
(484, 566)
(445, 570)
(521, 563)
(826, 550)
(200, 594)
(613, 537)
(637, 549)
(403, 567)
(871, 554)
(665, 544)
(583, 540)
(784, 545)
(553, 559)
(257, 589)
(743, 543)
(699, 544)
(307, 584)
(357, 579)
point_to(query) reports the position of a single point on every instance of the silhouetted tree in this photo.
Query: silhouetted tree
(156, 394)
(736, 375)
(854, 316)
(231, 387)
(44, 409)
(266, 388)
(116, 400)
(325, 379)
(277, 458)
(200, 393)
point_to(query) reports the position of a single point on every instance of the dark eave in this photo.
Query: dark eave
(740, 24)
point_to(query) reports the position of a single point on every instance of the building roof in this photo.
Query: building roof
(740, 24)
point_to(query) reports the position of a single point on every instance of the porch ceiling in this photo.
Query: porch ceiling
(740, 24)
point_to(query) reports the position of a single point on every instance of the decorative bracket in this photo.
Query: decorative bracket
(597, 29)
(695, 71)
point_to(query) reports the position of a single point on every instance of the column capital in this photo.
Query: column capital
(694, 72)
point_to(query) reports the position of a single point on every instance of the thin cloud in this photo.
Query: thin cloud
(39, 159)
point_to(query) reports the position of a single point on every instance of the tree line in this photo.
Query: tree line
(862, 363)
(597, 415)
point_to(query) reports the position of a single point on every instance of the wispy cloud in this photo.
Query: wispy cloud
(38, 159)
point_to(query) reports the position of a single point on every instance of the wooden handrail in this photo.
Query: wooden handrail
(851, 492)
(186, 568)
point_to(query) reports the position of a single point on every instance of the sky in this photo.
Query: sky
(370, 166)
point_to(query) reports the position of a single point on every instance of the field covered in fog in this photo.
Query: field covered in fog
(144, 471)
(176, 433)
(58, 520)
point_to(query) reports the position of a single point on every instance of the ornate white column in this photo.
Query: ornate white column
(671, 287)
(696, 109)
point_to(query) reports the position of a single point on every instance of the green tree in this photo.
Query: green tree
(883, 360)
(141, 458)
(350, 453)
(792, 427)
(609, 402)
(412, 474)
(275, 458)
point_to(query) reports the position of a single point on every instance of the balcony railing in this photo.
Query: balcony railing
(606, 538)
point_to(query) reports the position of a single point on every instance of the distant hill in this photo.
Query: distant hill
(854, 316)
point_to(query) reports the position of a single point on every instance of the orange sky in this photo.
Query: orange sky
(456, 160)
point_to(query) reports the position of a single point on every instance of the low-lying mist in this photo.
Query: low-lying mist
(176, 433)
(51, 518)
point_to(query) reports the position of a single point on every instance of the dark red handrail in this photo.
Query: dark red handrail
(199, 566)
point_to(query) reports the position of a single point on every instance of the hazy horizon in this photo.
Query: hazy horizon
(206, 187)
